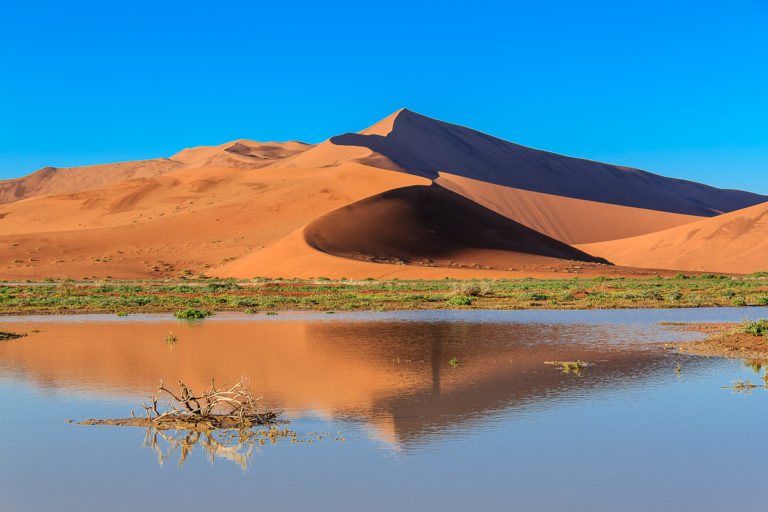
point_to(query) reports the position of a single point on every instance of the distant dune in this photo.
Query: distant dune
(732, 242)
(241, 154)
(409, 197)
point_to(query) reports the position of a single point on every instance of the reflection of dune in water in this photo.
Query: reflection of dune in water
(394, 376)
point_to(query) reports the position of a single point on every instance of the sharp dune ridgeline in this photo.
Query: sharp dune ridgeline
(409, 197)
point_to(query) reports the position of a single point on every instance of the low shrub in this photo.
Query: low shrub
(459, 300)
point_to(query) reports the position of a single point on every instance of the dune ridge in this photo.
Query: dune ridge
(426, 147)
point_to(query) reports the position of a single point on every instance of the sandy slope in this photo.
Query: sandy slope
(185, 219)
(733, 242)
(569, 220)
(244, 154)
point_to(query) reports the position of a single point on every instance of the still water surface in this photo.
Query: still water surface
(498, 431)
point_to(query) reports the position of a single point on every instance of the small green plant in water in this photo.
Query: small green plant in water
(454, 362)
(191, 314)
(122, 313)
(271, 313)
(5, 336)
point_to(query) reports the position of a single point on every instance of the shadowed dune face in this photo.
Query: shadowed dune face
(426, 147)
(733, 242)
(431, 223)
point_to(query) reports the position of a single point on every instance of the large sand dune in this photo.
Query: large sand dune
(409, 197)
(426, 147)
(732, 242)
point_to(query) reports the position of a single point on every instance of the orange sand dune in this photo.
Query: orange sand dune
(244, 154)
(427, 147)
(357, 205)
(573, 221)
(732, 242)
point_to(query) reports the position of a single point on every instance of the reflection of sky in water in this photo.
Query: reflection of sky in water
(629, 434)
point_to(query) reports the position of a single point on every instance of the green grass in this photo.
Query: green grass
(264, 294)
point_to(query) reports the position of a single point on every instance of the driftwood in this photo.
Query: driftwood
(234, 407)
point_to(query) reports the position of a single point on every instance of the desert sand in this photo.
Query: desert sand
(409, 197)
(732, 242)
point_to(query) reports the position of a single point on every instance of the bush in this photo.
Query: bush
(762, 301)
(471, 288)
(533, 296)
(674, 296)
(757, 328)
(459, 300)
(220, 287)
(191, 314)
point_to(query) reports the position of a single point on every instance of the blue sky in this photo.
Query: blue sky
(679, 88)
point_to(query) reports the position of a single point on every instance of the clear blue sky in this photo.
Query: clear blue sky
(674, 87)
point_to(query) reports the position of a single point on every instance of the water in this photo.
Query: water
(500, 430)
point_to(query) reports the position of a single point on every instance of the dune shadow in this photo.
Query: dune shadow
(433, 224)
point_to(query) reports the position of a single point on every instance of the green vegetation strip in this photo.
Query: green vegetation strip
(199, 298)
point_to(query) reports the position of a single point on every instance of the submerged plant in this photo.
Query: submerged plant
(454, 362)
(171, 339)
(570, 366)
(191, 314)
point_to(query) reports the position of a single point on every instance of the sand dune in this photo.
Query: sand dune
(424, 146)
(243, 154)
(732, 242)
(573, 221)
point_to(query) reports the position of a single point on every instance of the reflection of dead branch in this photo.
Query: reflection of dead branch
(185, 441)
